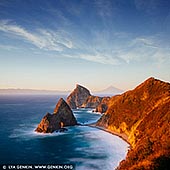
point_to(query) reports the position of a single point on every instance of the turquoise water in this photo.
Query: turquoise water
(88, 148)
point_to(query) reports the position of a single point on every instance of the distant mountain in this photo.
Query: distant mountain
(109, 91)
(31, 91)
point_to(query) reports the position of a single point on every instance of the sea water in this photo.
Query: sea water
(86, 147)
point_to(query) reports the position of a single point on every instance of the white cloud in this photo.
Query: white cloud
(22, 33)
(145, 50)
(150, 42)
(8, 47)
(118, 49)
(161, 57)
(55, 40)
(103, 47)
(97, 57)
(43, 39)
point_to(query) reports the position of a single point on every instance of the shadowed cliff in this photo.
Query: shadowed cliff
(81, 97)
(78, 96)
(99, 103)
(62, 116)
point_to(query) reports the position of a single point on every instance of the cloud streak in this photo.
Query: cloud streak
(104, 47)
(97, 58)
(122, 50)
(43, 39)
(145, 50)
(8, 47)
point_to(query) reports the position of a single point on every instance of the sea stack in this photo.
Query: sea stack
(78, 96)
(62, 116)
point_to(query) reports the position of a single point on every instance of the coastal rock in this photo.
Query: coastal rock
(103, 106)
(78, 96)
(92, 102)
(62, 130)
(81, 97)
(62, 116)
(99, 103)
(143, 114)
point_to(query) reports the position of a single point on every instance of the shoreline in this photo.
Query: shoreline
(123, 136)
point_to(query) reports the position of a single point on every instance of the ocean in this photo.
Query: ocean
(86, 147)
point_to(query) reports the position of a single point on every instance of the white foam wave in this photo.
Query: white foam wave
(93, 112)
(89, 111)
(77, 111)
(101, 146)
(112, 148)
(25, 133)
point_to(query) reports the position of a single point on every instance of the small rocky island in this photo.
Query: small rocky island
(62, 116)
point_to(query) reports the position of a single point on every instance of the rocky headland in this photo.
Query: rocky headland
(62, 116)
(143, 116)
(95, 101)
(91, 102)
(81, 98)
(103, 105)
(78, 96)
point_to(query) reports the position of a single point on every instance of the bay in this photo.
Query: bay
(86, 147)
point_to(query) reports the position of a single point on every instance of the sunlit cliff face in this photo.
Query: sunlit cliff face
(143, 115)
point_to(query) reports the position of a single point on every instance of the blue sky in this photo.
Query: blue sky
(55, 44)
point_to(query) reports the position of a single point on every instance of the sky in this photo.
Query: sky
(55, 44)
